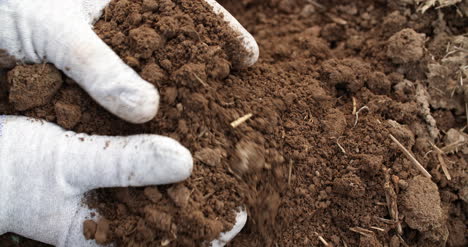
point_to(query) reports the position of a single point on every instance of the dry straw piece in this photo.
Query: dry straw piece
(391, 198)
(362, 231)
(324, 242)
(411, 157)
(441, 161)
(241, 120)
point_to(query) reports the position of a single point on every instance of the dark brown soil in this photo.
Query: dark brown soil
(315, 161)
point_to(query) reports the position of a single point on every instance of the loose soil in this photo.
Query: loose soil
(315, 162)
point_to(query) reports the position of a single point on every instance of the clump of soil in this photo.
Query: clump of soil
(33, 85)
(329, 88)
(406, 46)
(422, 209)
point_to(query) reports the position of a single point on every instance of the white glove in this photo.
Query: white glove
(60, 32)
(45, 170)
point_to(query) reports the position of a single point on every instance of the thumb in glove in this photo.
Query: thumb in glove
(45, 171)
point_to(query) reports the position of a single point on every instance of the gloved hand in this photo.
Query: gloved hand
(45, 170)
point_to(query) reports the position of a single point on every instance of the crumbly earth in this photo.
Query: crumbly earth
(315, 162)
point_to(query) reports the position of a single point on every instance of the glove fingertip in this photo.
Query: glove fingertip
(138, 106)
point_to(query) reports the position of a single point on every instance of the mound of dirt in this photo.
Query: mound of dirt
(334, 80)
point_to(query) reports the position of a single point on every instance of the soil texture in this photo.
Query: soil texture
(315, 164)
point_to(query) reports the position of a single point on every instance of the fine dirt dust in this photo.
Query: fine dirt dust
(315, 162)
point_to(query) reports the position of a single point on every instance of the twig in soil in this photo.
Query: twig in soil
(460, 49)
(357, 114)
(324, 242)
(453, 147)
(391, 198)
(241, 120)
(427, 153)
(378, 228)
(411, 157)
(202, 133)
(337, 20)
(381, 204)
(362, 231)
(447, 49)
(200, 80)
(444, 166)
(354, 106)
(441, 161)
(339, 145)
(345, 244)
(448, 54)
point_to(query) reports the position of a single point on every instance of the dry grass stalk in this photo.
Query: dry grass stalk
(200, 80)
(362, 231)
(241, 120)
(453, 147)
(381, 204)
(339, 145)
(441, 161)
(391, 198)
(411, 157)
(324, 242)
(444, 166)
(337, 20)
(345, 244)
(424, 5)
(354, 106)
(378, 228)
(357, 114)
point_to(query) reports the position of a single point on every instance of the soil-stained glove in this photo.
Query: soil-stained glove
(60, 32)
(45, 171)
